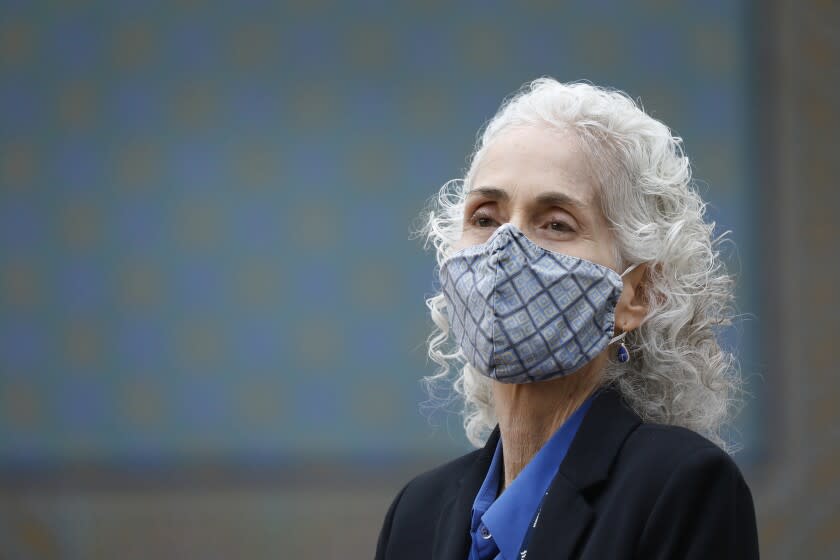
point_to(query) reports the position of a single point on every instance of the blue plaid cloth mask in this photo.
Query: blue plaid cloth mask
(521, 313)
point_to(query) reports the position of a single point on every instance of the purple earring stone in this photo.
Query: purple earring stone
(623, 354)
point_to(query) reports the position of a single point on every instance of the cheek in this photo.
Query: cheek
(589, 250)
(601, 248)
(460, 243)
(470, 237)
(606, 257)
(608, 252)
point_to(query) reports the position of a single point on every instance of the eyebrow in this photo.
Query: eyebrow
(552, 198)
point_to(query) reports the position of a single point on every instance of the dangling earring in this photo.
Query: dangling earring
(623, 354)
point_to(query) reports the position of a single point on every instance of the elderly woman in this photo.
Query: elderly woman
(581, 295)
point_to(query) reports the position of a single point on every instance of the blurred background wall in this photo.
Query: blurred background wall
(211, 315)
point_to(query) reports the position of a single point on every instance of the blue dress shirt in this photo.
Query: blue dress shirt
(500, 523)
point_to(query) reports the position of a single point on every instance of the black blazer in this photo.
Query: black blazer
(626, 489)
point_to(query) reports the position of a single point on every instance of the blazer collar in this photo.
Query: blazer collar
(566, 513)
(604, 428)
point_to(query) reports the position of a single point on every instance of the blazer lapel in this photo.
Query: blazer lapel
(565, 513)
(563, 519)
(452, 536)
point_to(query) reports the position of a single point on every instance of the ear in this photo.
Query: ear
(632, 306)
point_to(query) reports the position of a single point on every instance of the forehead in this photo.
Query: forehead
(529, 161)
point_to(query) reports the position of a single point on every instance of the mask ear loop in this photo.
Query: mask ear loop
(623, 354)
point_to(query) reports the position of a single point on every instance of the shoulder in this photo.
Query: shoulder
(694, 499)
(658, 459)
(663, 448)
(615, 443)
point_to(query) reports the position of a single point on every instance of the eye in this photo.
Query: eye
(482, 220)
(560, 226)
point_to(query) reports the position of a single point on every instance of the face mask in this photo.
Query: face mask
(521, 313)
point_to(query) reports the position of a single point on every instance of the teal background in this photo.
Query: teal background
(206, 207)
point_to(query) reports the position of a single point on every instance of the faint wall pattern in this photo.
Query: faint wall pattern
(199, 197)
(204, 253)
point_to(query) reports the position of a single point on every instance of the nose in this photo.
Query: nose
(518, 221)
(514, 224)
(502, 236)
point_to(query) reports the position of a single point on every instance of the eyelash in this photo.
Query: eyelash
(476, 216)
(566, 226)
(479, 215)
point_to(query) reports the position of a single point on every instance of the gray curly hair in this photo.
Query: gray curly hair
(678, 373)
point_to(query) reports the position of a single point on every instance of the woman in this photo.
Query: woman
(581, 293)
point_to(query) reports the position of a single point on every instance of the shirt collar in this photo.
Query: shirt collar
(507, 516)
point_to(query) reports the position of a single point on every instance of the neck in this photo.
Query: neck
(530, 413)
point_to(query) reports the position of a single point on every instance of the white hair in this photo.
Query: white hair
(678, 373)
